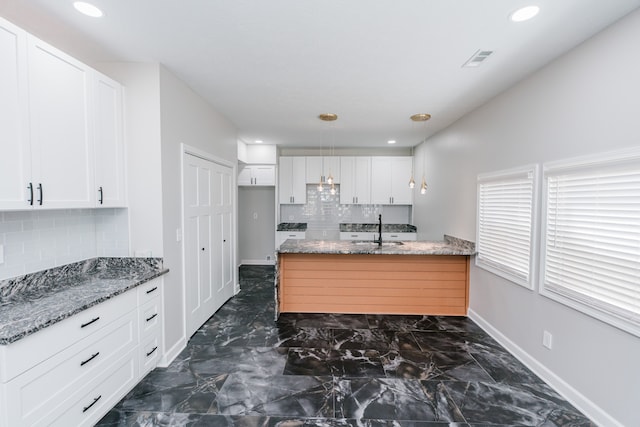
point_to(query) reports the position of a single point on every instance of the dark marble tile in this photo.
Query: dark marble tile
(289, 336)
(504, 367)
(402, 323)
(332, 321)
(117, 418)
(361, 339)
(454, 341)
(420, 365)
(394, 399)
(523, 405)
(184, 392)
(338, 363)
(293, 396)
(457, 324)
(258, 361)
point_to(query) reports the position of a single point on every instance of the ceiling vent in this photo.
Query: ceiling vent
(478, 58)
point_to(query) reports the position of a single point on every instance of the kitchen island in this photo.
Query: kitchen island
(415, 277)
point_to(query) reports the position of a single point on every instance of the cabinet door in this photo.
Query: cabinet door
(15, 155)
(362, 180)
(60, 129)
(381, 180)
(292, 186)
(347, 186)
(314, 173)
(332, 168)
(264, 175)
(109, 143)
(298, 182)
(400, 175)
(245, 176)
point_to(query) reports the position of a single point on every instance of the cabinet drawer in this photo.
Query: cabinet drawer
(150, 350)
(348, 235)
(150, 318)
(399, 236)
(35, 348)
(149, 291)
(94, 401)
(44, 387)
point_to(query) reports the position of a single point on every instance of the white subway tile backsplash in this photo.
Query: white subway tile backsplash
(323, 214)
(34, 241)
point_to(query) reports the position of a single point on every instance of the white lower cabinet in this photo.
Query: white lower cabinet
(357, 235)
(284, 235)
(399, 237)
(78, 369)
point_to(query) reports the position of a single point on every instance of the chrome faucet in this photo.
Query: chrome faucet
(379, 241)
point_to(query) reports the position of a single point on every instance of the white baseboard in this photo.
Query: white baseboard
(170, 354)
(257, 262)
(577, 399)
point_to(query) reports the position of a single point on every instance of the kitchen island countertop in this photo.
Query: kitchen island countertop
(449, 246)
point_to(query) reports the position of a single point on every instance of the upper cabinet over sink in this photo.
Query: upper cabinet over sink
(61, 125)
(390, 180)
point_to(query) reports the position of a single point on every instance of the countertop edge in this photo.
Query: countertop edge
(61, 317)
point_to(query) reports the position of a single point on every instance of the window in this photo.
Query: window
(506, 223)
(591, 237)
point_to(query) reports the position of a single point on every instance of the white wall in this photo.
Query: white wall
(185, 118)
(256, 236)
(584, 102)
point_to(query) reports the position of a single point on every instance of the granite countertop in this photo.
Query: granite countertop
(449, 246)
(32, 302)
(292, 226)
(386, 228)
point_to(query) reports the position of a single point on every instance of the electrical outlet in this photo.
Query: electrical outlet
(268, 257)
(178, 234)
(547, 339)
(324, 233)
(255, 215)
(1, 254)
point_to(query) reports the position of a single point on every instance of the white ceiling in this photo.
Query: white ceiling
(272, 66)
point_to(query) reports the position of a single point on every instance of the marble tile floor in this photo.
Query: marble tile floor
(243, 369)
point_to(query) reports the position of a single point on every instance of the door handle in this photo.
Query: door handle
(30, 187)
(41, 194)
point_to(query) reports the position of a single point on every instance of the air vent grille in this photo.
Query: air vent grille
(477, 58)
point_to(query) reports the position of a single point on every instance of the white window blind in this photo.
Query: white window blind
(505, 223)
(591, 238)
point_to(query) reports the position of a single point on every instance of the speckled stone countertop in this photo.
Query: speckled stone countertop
(292, 226)
(386, 228)
(32, 302)
(449, 246)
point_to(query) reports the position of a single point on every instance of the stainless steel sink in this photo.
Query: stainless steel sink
(370, 243)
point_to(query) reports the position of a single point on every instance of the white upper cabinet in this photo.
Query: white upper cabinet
(60, 128)
(292, 187)
(15, 154)
(390, 180)
(109, 143)
(261, 175)
(355, 180)
(319, 168)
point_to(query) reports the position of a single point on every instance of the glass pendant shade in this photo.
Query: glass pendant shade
(333, 188)
(320, 185)
(423, 186)
(330, 178)
(412, 182)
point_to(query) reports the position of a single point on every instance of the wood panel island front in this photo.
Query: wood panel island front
(417, 277)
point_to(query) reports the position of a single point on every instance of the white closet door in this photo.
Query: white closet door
(199, 251)
(208, 244)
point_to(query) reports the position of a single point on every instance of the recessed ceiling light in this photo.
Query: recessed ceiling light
(524, 13)
(391, 141)
(88, 9)
(259, 141)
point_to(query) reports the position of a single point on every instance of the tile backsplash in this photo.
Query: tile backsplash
(323, 213)
(36, 240)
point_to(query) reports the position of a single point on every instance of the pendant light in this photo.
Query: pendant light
(326, 117)
(423, 117)
(412, 182)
